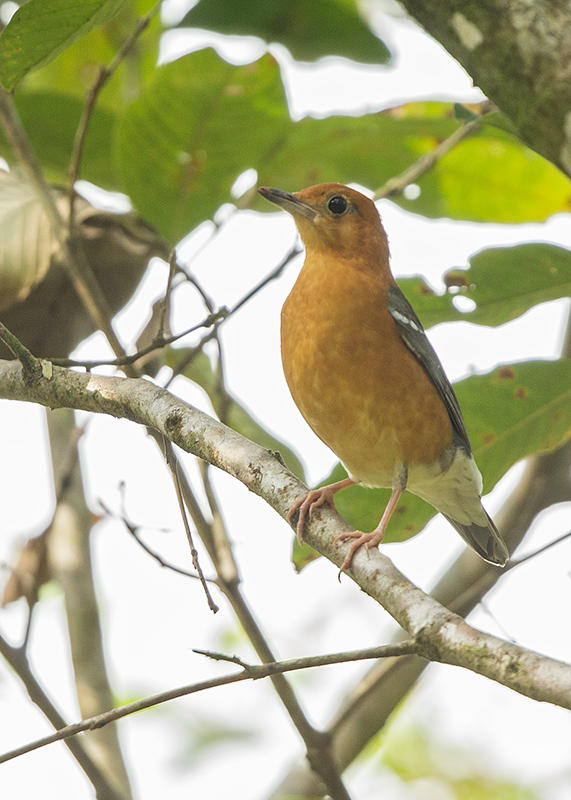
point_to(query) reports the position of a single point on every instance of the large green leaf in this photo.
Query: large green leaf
(503, 282)
(309, 29)
(510, 413)
(228, 409)
(514, 411)
(51, 119)
(76, 68)
(196, 128)
(41, 29)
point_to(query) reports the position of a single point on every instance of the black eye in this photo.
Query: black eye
(337, 204)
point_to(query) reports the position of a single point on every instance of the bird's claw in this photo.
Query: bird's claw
(368, 539)
(306, 505)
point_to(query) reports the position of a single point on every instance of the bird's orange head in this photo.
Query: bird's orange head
(331, 216)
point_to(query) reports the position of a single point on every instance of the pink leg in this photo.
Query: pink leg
(312, 500)
(370, 539)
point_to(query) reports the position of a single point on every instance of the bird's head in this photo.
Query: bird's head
(333, 216)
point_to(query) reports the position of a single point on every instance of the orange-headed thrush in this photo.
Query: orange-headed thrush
(365, 377)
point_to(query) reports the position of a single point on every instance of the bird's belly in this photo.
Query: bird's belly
(369, 411)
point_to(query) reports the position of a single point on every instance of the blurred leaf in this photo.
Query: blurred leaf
(510, 413)
(27, 242)
(197, 127)
(35, 284)
(503, 282)
(41, 29)
(493, 177)
(308, 30)
(51, 119)
(515, 411)
(414, 754)
(75, 69)
(229, 410)
(198, 736)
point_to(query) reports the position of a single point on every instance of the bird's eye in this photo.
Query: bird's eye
(337, 204)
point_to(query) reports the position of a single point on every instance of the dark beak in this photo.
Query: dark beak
(289, 202)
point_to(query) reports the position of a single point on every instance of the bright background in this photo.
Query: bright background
(154, 618)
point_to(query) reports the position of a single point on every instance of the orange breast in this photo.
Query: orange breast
(353, 379)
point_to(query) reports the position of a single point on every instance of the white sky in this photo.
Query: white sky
(153, 618)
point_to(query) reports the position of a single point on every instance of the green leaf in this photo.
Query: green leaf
(199, 125)
(493, 177)
(76, 68)
(503, 282)
(228, 409)
(515, 411)
(51, 119)
(309, 30)
(510, 413)
(41, 29)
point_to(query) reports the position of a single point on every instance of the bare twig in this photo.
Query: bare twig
(396, 185)
(294, 251)
(19, 663)
(249, 672)
(127, 360)
(103, 75)
(134, 532)
(173, 467)
(19, 350)
(73, 256)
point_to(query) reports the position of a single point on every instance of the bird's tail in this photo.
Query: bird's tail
(484, 539)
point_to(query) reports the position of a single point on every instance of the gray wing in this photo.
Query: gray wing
(413, 335)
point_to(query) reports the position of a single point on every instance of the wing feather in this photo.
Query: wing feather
(413, 335)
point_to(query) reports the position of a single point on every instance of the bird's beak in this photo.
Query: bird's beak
(289, 202)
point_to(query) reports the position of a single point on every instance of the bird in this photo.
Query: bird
(365, 377)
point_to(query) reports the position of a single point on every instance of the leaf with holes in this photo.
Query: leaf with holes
(503, 282)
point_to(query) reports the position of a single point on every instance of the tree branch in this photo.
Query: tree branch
(519, 53)
(440, 634)
(249, 672)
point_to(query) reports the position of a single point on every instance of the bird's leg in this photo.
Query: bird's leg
(312, 500)
(375, 537)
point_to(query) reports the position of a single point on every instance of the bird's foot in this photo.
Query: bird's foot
(307, 504)
(368, 539)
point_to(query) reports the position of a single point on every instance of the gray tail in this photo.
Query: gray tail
(484, 539)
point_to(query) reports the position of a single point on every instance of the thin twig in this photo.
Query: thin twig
(21, 666)
(249, 672)
(211, 320)
(103, 75)
(294, 250)
(134, 532)
(396, 185)
(173, 467)
(73, 256)
(516, 562)
(166, 299)
(405, 648)
(28, 361)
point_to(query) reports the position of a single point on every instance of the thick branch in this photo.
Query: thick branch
(519, 53)
(442, 635)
